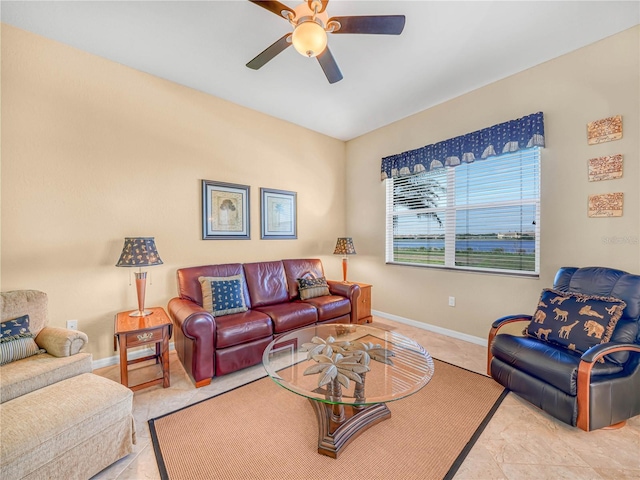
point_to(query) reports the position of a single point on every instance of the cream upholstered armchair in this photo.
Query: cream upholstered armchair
(41, 354)
(59, 342)
(58, 419)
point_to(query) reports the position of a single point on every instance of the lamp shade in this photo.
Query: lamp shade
(309, 39)
(139, 252)
(345, 246)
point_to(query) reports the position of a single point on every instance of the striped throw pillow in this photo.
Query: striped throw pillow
(312, 287)
(17, 349)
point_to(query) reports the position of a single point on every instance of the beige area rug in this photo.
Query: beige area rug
(262, 431)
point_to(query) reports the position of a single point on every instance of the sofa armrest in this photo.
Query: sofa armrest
(185, 314)
(199, 327)
(501, 322)
(61, 342)
(497, 325)
(587, 360)
(596, 352)
(348, 290)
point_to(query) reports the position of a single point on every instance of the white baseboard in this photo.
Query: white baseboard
(432, 328)
(134, 355)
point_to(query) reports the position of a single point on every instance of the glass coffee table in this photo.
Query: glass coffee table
(348, 373)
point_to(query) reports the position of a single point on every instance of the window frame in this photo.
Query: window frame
(449, 213)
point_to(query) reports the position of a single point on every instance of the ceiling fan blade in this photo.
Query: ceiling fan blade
(270, 52)
(329, 66)
(372, 24)
(274, 7)
(322, 9)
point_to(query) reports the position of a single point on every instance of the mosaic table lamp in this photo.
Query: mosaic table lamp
(344, 247)
(139, 252)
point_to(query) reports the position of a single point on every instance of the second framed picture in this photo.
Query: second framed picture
(278, 214)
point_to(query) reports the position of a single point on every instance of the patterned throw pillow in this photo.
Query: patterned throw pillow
(312, 287)
(222, 295)
(18, 348)
(575, 321)
(15, 328)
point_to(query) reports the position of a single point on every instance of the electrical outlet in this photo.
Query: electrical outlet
(72, 324)
(452, 301)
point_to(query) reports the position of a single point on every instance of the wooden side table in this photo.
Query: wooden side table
(137, 331)
(364, 303)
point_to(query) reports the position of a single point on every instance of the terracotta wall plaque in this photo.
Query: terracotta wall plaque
(605, 168)
(606, 205)
(604, 130)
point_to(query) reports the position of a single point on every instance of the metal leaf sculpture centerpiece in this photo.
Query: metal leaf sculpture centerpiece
(371, 351)
(343, 361)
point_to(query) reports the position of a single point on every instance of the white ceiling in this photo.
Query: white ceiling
(446, 49)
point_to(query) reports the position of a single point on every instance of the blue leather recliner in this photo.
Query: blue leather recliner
(597, 388)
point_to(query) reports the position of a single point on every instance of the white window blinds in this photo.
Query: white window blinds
(480, 216)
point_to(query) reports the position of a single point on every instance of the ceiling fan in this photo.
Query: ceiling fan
(311, 23)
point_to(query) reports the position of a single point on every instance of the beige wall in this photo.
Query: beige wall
(594, 82)
(93, 151)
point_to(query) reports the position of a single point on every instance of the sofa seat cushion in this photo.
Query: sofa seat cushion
(290, 315)
(236, 358)
(35, 432)
(551, 363)
(330, 306)
(242, 327)
(24, 376)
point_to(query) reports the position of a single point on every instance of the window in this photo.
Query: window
(480, 216)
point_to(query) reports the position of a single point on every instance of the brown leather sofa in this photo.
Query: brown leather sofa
(211, 346)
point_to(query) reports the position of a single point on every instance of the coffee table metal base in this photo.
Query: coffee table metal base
(339, 424)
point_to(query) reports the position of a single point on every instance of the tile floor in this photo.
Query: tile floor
(520, 441)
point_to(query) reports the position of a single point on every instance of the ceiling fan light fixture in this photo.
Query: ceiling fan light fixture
(311, 23)
(309, 38)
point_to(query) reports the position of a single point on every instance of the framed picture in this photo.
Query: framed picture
(278, 209)
(225, 211)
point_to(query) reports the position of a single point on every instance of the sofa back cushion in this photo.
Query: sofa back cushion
(604, 282)
(266, 282)
(17, 303)
(189, 286)
(299, 268)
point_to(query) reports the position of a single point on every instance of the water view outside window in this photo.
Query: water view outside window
(480, 216)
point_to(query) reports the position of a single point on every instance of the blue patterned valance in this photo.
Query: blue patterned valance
(525, 132)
